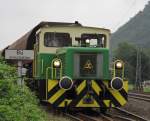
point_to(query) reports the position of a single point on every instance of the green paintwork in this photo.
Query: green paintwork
(67, 53)
(47, 59)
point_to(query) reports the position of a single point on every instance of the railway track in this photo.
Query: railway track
(140, 96)
(139, 92)
(126, 115)
(118, 115)
(72, 117)
(86, 117)
(101, 117)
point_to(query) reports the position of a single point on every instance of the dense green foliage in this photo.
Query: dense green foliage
(136, 31)
(17, 103)
(128, 53)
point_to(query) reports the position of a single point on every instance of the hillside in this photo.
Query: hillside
(136, 31)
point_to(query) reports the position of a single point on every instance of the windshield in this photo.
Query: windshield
(53, 39)
(96, 40)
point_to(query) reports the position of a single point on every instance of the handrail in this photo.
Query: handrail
(47, 72)
(53, 72)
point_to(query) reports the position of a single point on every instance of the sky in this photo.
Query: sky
(19, 16)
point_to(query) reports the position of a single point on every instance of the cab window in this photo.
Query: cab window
(96, 40)
(53, 39)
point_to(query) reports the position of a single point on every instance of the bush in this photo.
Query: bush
(17, 103)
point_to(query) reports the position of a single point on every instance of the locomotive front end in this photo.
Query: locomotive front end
(84, 80)
(72, 68)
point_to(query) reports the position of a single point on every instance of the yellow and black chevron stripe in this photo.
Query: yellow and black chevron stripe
(57, 96)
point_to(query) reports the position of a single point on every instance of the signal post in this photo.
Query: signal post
(20, 56)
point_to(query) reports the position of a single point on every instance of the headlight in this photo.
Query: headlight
(119, 65)
(87, 41)
(57, 63)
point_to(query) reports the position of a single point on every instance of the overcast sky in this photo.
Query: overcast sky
(19, 16)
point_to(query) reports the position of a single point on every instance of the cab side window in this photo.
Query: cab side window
(54, 39)
(97, 40)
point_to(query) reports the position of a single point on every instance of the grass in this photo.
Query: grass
(147, 89)
(131, 87)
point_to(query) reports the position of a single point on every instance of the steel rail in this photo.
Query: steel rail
(123, 118)
(85, 117)
(107, 117)
(99, 117)
(132, 116)
(72, 117)
(140, 96)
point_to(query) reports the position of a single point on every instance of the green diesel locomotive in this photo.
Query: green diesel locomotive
(71, 66)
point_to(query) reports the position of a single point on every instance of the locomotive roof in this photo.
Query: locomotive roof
(27, 41)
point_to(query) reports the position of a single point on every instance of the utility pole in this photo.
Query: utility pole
(138, 81)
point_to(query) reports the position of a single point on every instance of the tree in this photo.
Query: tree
(128, 53)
